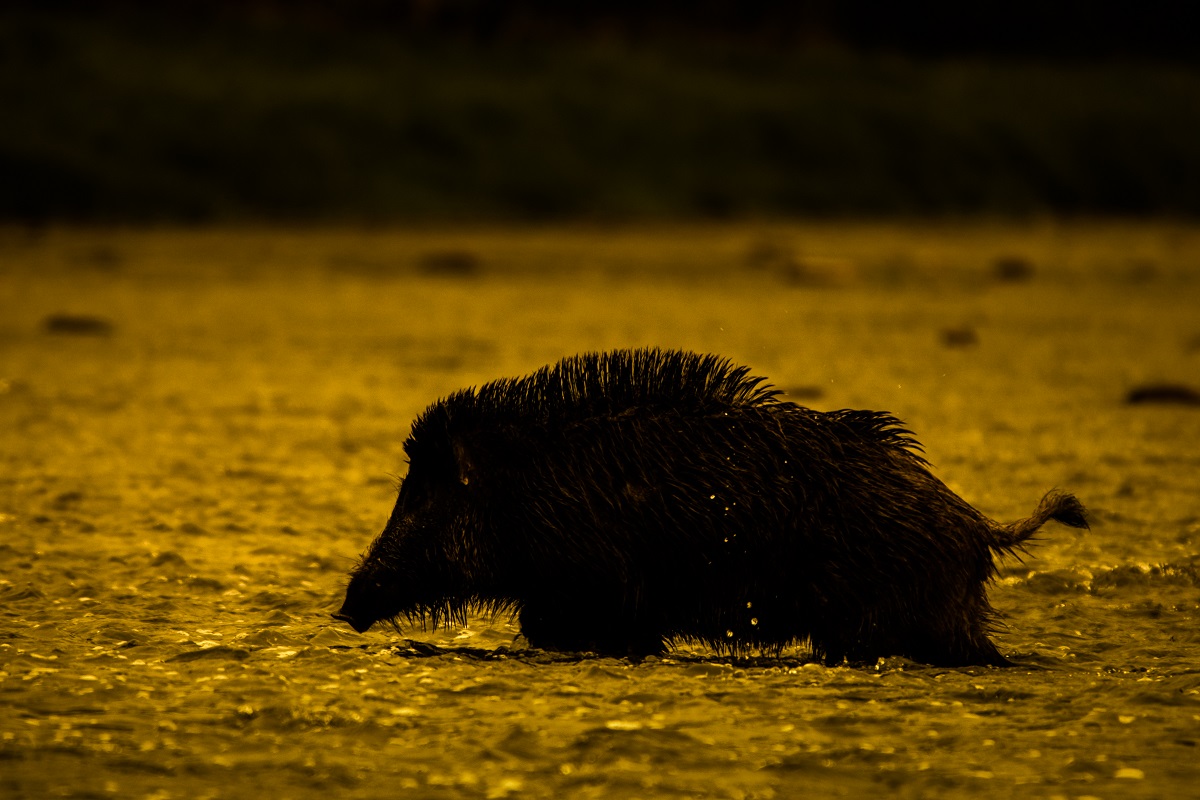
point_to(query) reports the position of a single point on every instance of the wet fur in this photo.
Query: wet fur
(619, 502)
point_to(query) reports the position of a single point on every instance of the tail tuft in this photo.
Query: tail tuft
(1058, 506)
(1063, 507)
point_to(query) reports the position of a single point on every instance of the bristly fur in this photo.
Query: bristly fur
(619, 502)
(452, 612)
(610, 384)
(881, 427)
(623, 381)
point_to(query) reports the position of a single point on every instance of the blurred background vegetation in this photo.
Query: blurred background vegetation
(514, 110)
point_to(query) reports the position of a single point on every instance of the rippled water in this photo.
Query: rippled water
(183, 490)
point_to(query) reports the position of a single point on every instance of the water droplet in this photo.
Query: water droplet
(728, 634)
(754, 620)
(749, 604)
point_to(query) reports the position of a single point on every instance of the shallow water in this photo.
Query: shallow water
(183, 491)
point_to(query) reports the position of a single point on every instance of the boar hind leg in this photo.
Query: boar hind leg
(943, 639)
(574, 629)
(968, 650)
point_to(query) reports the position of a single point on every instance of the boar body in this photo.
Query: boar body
(619, 502)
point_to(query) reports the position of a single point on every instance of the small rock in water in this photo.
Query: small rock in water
(963, 336)
(450, 263)
(1163, 393)
(77, 325)
(1012, 269)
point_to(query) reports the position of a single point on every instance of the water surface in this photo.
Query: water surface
(186, 479)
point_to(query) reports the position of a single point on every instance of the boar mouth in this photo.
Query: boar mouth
(359, 625)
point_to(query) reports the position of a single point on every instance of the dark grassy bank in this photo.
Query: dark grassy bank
(109, 120)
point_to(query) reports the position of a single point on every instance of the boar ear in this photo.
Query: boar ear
(464, 461)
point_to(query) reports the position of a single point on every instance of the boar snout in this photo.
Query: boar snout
(360, 626)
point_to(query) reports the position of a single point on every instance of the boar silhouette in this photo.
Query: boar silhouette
(618, 502)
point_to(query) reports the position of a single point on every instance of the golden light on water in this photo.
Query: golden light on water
(201, 431)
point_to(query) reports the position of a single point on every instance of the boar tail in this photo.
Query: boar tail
(1059, 506)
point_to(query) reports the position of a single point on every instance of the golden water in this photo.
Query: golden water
(182, 495)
